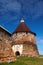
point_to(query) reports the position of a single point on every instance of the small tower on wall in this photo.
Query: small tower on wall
(24, 42)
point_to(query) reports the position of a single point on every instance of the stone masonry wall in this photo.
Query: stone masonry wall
(6, 53)
(30, 50)
(22, 37)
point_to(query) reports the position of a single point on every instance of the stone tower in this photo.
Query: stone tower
(24, 42)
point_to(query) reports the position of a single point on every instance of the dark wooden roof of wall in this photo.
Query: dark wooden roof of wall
(23, 28)
(5, 30)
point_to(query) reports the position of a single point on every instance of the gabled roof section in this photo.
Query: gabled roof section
(23, 28)
(2, 28)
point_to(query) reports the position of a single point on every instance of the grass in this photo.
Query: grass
(26, 61)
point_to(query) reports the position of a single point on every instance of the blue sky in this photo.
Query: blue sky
(11, 11)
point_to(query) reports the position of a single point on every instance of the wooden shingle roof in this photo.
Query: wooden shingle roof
(23, 28)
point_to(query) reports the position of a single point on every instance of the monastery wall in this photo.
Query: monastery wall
(6, 53)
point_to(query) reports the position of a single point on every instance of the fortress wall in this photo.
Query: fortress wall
(6, 53)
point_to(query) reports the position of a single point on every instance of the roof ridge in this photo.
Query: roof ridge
(4, 29)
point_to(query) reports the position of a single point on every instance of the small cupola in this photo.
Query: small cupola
(22, 20)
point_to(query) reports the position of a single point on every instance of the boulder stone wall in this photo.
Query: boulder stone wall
(22, 37)
(6, 53)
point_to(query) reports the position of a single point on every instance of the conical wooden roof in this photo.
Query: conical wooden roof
(23, 28)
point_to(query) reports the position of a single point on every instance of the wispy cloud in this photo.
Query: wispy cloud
(8, 7)
(38, 10)
(34, 9)
(31, 9)
(39, 40)
(14, 6)
(9, 10)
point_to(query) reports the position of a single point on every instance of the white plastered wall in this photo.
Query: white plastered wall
(18, 47)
